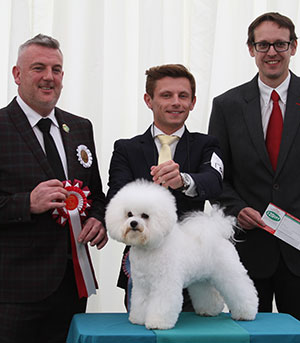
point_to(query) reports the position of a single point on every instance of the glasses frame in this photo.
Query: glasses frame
(272, 44)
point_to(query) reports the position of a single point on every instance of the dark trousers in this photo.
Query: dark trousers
(46, 321)
(285, 286)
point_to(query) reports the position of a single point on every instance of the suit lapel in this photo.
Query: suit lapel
(67, 139)
(291, 120)
(149, 148)
(24, 128)
(182, 148)
(252, 116)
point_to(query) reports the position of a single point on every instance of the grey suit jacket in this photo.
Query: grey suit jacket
(249, 178)
(33, 248)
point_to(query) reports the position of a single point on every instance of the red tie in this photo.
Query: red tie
(274, 131)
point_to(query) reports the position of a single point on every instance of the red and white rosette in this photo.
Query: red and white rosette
(74, 213)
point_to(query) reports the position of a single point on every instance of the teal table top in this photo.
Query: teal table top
(190, 328)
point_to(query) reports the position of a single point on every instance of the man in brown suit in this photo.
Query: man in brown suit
(38, 292)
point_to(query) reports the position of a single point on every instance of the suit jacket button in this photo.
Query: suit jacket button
(276, 186)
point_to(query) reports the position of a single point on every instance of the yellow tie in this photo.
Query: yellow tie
(165, 151)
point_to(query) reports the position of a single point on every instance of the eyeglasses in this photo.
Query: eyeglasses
(265, 46)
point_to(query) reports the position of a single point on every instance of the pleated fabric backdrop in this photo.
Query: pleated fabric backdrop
(108, 45)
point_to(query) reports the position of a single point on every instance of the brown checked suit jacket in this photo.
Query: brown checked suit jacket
(33, 248)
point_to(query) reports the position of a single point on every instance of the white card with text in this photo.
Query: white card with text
(282, 225)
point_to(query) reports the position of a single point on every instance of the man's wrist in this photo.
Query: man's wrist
(186, 182)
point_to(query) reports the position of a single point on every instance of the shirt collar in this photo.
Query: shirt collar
(282, 90)
(32, 115)
(156, 131)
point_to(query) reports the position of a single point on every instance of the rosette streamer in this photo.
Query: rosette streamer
(74, 213)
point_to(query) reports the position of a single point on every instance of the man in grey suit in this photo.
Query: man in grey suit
(256, 173)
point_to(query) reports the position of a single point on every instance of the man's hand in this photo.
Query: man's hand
(167, 174)
(249, 218)
(47, 195)
(94, 232)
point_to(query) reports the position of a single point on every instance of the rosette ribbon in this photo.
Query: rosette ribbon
(74, 213)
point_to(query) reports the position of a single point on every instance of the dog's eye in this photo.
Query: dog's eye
(145, 216)
(129, 214)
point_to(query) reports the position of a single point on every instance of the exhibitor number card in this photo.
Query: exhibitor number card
(282, 225)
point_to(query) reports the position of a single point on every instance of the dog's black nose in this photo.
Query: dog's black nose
(133, 224)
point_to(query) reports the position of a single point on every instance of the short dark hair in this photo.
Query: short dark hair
(41, 40)
(279, 19)
(171, 70)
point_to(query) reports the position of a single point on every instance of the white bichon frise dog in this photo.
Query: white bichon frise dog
(167, 256)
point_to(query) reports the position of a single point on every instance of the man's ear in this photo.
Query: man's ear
(293, 47)
(16, 74)
(193, 103)
(251, 50)
(148, 100)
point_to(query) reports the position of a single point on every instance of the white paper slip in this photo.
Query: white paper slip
(282, 225)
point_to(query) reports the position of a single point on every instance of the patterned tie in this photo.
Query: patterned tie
(274, 131)
(51, 150)
(165, 151)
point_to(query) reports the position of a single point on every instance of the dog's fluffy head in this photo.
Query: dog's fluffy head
(141, 214)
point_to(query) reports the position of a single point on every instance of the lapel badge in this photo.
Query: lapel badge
(66, 128)
(84, 156)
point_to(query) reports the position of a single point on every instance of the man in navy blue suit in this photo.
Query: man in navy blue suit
(194, 174)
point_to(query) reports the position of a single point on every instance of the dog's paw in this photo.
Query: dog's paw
(246, 310)
(159, 321)
(136, 320)
(208, 314)
(244, 315)
(210, 310)
(159, 325)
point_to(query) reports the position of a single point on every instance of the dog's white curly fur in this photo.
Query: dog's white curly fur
(166, 256)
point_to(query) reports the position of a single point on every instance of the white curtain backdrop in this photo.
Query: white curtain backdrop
(108, 45)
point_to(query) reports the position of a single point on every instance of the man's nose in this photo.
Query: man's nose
(175, 100)
(272, 51)
(48, 75)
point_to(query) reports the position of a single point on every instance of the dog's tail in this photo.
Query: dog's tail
(225, 224)
(214, 220)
